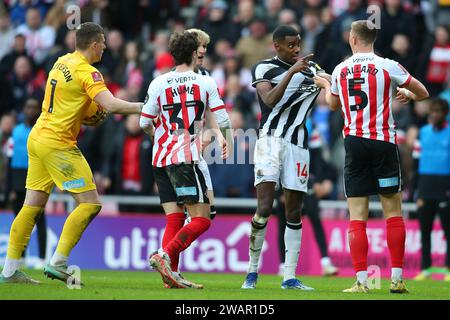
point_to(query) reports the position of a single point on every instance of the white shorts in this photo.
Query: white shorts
(203, 166)
(277, 159)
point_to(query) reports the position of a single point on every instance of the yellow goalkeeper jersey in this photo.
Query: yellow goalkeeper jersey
(71, 86)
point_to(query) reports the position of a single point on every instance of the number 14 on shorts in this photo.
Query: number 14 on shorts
(302, 171)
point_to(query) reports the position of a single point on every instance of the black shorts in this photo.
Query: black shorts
(181, 183)
(371, 167)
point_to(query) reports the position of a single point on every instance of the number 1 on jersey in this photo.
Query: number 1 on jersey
(304, 171)
(52, 95)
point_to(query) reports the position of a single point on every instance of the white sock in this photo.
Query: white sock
(325, 262)
(58, 259)
(397, 274)
(11, 265)
(258, 232)
(361, 276)
(292, 241)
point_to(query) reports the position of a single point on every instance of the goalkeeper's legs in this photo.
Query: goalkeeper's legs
(21, 229)
(88, 208)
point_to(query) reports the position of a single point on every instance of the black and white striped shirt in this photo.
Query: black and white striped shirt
(203, 72)
(287, 118)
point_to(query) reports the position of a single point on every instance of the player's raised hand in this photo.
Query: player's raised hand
(403, 95)
(321, 82)
(302, 63)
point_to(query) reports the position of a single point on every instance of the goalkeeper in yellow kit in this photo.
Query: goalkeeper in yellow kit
(54, 158)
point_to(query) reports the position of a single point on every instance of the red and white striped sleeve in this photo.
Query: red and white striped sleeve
(334, 85)
(151, 108)
(398, 73)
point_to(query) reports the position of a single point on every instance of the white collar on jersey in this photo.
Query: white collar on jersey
(288, 64)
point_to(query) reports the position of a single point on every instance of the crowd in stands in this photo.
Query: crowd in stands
(34, 33)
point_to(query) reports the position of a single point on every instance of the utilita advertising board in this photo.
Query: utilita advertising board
(125, 242)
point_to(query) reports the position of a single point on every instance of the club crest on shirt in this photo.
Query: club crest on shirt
(96, 76)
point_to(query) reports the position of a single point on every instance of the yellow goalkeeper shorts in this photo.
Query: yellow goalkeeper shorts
(67, 168)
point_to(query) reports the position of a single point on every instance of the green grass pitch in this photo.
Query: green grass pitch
(148, 285)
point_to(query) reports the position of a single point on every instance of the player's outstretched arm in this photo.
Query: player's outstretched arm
(115, 105)
(414, 90)
(332, 100)
(272, 95)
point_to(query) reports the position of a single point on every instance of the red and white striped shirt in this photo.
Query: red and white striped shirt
(366, 85)
(176, 101)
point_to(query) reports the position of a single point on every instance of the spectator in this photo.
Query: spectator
(255, 47)
(56, 18)
(218, 26)
(7, 123)
(340, 50)
(446, 96)
(311, 28)
(130, 163)
(394, 20)
(434, 182)
(97, 11)
(287, 16)
(437, 13)
(272, 10)
(232, 64)
(39, 38)
(246, 13)
(401, 52)
(324, 46)
(222, 50)
(6, 34)
(20, 9)
(129, 64)
(113, 52)
(18, 49)
(67, 47)
(242, 183)
(22, 83)
(235, 98)
(439, 61)
(355, 11)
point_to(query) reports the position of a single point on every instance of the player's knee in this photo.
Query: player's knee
(264, 211)
(293, 215)
(93, 209)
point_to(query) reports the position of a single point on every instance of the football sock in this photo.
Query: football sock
(396, 235)
(186, 235)
(21, 230)
(325, 262)
(257, 234)
(292, 242)
(11, 265)
(359, 245)
(397, 274)
(58, 259)
(75, 225)
(175, 222)
(362, 276)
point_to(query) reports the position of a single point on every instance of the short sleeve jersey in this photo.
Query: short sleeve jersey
(71, 87)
